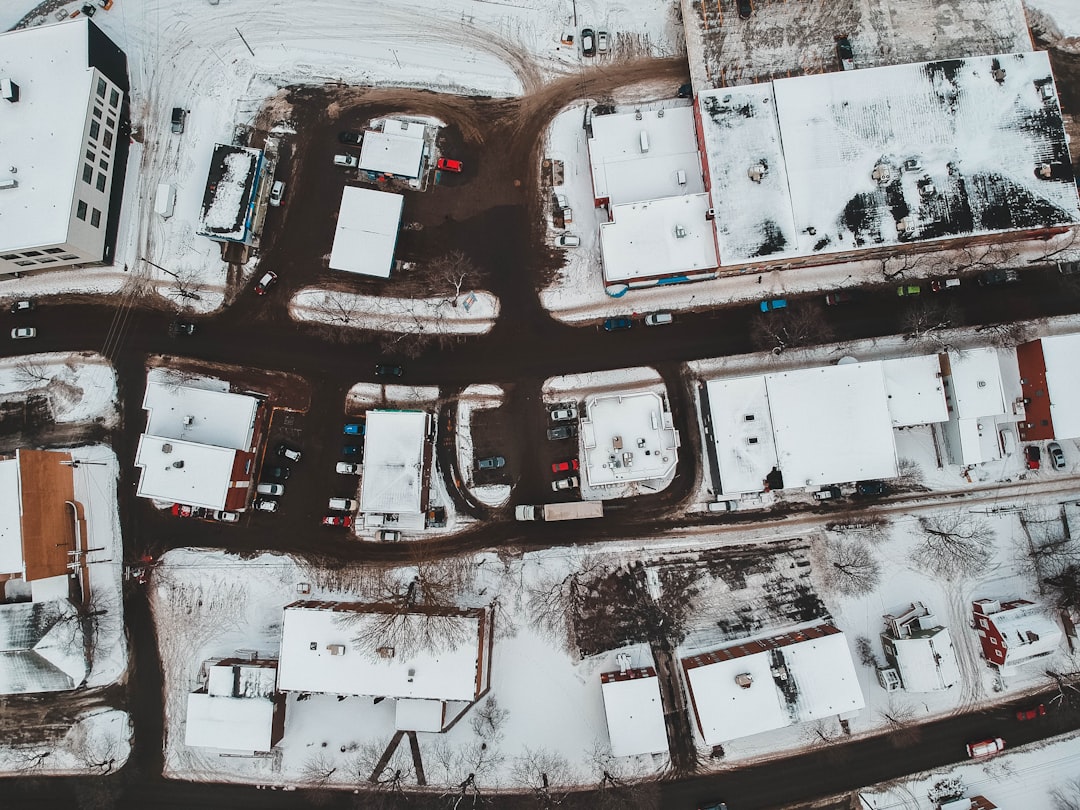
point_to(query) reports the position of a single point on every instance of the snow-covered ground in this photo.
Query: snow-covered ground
(98, 743)
(432, 316)
(1060, 19)
(474, 398)
(80, 387)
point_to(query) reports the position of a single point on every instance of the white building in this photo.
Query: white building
(919, 651)
(634, 711)
(199, 446)
(393, 147)
(397, 463)
(238, 708)
(63, 88)
(367, 231)
(980, 427)
(628, 437)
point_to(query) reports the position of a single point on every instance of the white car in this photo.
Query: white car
(266, 505)
(658, 318)
(270, 489)
(602, 44)
(22, 332)
(277, 191)
(346, 160)
(564, 415)
(227, 517)
(570, 482)
(569, 240)
(347, 468)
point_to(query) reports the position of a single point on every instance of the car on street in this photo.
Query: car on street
(226, 517)
(1032, 713)
(344, 521)
(827, 494)
(1033, 455)
(347, 468)
(985, 748)
(270, 489)
(617, 324)
(685, 91)
(942, 284)
(448, 164)
(844, 55)
(25, 305)
(562, 432)
(268, 280)
(773, 304)
(568, 240)
(181, 510)
(659, 318)
(23, 332)
(1057, 457)
(570, 482)
(279, 473)
(350, 450)
(588, 42)
(491, 463)
(342, 505)
(745, 9)
(603, 44)
(277, 191)
(839, 297)
(388, 535)
(388, 370)
(713, 806)
(564, 414)
(285, 451)
(871, 488)
(354, 429)
(348, 161)
(265, 505)
(182, 328)
(908, 290)
(351, 137)
(998, 276)
(565, 466)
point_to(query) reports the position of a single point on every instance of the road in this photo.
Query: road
(500, 225)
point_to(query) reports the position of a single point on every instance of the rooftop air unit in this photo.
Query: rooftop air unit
(336, 649)
(9, 90)
(744, 680)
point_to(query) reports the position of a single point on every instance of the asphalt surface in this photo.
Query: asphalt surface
(500, 225)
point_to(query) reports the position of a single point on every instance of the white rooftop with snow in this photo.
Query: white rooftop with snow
(927, 661)
(309, 664)
(1027, 632)
(635, 714)
(975, 383)
(742, 432)
(229, 723)
(367, 231)
(176, 471)
(975, 130)
(11, 550)
(1060, 353)
(199, 415)
(623, 173)
(42, 134)
(915, 392)
(627, 437)
(393, 477)
(397, 149)
(658, 237)
(231, 186)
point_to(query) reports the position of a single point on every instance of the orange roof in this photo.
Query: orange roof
(47, 522)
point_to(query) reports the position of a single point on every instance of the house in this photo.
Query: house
(970, 803)
(398, 447)
(199, 446)
(42, 525)
(367, 231)
(628, 437)
(237, 708)
(919, 651)
(634, 710)
(1050, 388)
(42, 647)
(235, 183)
(764, 684)
(980, 420)
(1014, 633)
(433, 662)
(64, 89)
(393, 147)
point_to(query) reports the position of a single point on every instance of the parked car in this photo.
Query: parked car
(773, 304)
(985, 748)
(942, 284)
(839, 297)
(291, 453)
(351, 137)
(388, 535)
(998, 276)
(388, 370)
(570, 482)
(745, 9)
(617, 324)
(844, 54)
(347, 468)
(908, 290)
(279, 473)
(268, 280)
(827, 494)
(226, 517)
(265, 505)
(355, 429)
(588, 42)
(1057, 457)
(561, 203)
(1033, 455)
(182, 328)
(277, 191)
(491, 463)
(713, 806)
(562, 432)
(344, 521)
(564, 414)
(568, 240)
(1068, 268)
(448, 164)
(349, 161)
(342, 505)
(871, 488)
(350, 450)
(179, 116)
(270, 489)
(26, 305)
(565, 466)
(180, 510)
(602, 43)
(659, 318)
(1032, 713)
(23, 332)
(723, 506)
(685, 91)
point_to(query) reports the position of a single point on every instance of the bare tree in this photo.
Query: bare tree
(28, 760)
(945, 790)
(900, 722)
(542, 772)
(953, 544)
(614, 792)
(554, 601)
(488, 719)
(186, 285)
(1064, 586)
(30, 370)
(865, 650)
(803, 325)
(318, 771)
(850, 567)
(454, 268)
(337, 306)
(984, 257)
(1066, 796)
(903, 265)
(390, 776)
(97, 751)
(821, 732)
(925, 321)
(1005, 335)
(1070, 251)
(867, 526)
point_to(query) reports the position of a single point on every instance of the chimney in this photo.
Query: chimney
(9, 90)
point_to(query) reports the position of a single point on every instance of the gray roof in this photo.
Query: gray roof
(41, 647)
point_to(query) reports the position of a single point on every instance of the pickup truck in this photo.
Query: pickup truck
(577, 510)
(179, 115)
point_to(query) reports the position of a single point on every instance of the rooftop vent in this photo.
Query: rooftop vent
(10, 182)
(9, 90)
(680, 231)
(189, 421)
(881, 174)
(166, 448)
(336, 649)
(999, 75)
(623, 660)
(178, 464)
(744, 680)
(385, 652)
(757, 172)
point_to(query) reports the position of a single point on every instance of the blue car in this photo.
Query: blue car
(350, 450)
(773, 305)
(615, 324)
(354, 430)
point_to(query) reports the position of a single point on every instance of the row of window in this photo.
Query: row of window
(95, 215)
(114, 95)
(32, 257)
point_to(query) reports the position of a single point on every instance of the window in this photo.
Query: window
(103, 163)
(90, 154)
(31, 253)
(110, 123)
(107, 140)
(87, 173)
(46, 261)
(97, 112)
(7, 257)
(95, 218)
(24, 263)
(95, 128)
(54, 250)
(101, 88)
(114, 98)
(69, 256)
(100, 184)
(80, 212)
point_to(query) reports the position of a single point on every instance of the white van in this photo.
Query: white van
(270, 489)
(723, 506)
(165, 201)
(658, 318)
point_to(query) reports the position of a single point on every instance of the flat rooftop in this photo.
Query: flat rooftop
(634, 711)
(658, 237)
(230, 185)
(1060, 352)
(393, 477)
(398, 149)
(178, 471)
(627, 437)
(367, 231)
(229, 723)
(200, 416)
(975, 381)
(742, 432)
(11, 553)
(914, 391)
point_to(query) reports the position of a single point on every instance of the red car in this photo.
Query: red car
(565, 466)
(181, 510)
(336, 520)
(449, 165)
(268, 280)
(1032, 713)
(1034, 456)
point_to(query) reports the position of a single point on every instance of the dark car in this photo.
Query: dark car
(745, 9)
(685, 91)
(839, 297)
(616, 324)
(278, 473)
(844, 54)
(388, 370)
(562, 432)
(285, 451)
(182, 328)
(998, 276)
(871, 488)
(351, 137)
(350, 450)
(1033, 455)
(588, 42)
(268, 280)
(491, 463)
(179, 115)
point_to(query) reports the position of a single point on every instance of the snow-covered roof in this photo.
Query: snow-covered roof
(41, 135)
(11, 553)
(199, 415)
(927, 660)
(975, 383)
(1063, 383)
(658, 238)
(413, 714)
(231, 185)
(367, 231)
(832, 424)
(820, 681)
(627, 436)
(42, 648)
(888, 155)
(1026, 631)
(635, 714)
(397, 150)
(914, 391)
(742, 432)
(319, 653)
(202, 478)
(233, 678)
(623, 173)
(393, 478)
(229, 723)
